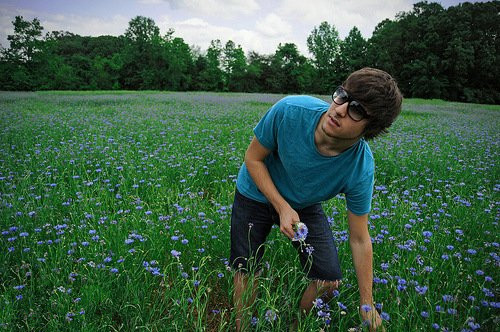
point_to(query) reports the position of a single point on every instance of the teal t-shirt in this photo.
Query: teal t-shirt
(300, 173)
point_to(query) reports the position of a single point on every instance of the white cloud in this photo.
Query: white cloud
(86, 26)
(309, 12)
(150, 2)
(226, 9)
(82, 25)
(273, 26)
(198, 32)
(194, 22)
(365, 14)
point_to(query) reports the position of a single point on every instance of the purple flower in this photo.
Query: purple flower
(301, 231)
(341, 306)
(366, 307)
(447, 298)
(472, 251)
(474, 326)
(385, 316)
(270, 315)
(323, 314)
(175, 253)
(421, 290)
(318, 303)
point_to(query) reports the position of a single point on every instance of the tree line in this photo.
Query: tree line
(451, 54)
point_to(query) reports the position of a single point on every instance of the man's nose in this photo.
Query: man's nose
(341, 110)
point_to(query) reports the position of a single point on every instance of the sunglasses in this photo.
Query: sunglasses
(354, 109)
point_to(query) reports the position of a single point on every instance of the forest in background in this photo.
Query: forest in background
(450, 54)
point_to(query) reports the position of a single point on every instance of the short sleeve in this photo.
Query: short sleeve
(359, 198)
(266, 130)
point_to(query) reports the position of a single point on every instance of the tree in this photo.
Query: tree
(26, 40)
(234, 64)
(180, 63)
(143, 61)
(354, 51)
(142, 30)
(258, 73)
(22, 58)
(324, 45)
(290, 70)
(211, 76)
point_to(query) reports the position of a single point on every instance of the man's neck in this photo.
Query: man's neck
(331, 146)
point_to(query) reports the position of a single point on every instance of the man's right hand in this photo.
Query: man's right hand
(288, 217)
(254, 160)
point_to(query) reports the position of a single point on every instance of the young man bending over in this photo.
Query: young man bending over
(304, 152)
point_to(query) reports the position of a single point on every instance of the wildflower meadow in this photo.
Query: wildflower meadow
(115, 216)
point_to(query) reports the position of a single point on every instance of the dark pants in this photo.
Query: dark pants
(251, 222)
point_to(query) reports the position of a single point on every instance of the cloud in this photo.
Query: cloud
(273, 26)
(309, 12)
(198, 32)
(150, 2)
(227, 9)
(86, 26)
(81, 25)
(365, 14)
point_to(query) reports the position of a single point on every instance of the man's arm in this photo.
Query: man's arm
(254, 161)
(362, 256)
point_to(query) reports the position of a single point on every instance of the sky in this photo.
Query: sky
(256, 25)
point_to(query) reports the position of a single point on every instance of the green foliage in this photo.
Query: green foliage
(451, 54)
(354, 49)
(436, 53)
(325, 45)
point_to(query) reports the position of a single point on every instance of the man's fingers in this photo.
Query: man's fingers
(288, 231)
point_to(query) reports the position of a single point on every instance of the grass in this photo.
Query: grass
(115, 211)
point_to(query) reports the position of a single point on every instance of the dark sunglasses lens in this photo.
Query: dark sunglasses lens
(356, 111)
(340, 96)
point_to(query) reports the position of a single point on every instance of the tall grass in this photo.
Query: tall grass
(115, 215)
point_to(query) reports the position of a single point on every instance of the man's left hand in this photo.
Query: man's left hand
(371, 317)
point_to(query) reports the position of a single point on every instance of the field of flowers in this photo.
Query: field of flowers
(115, 215)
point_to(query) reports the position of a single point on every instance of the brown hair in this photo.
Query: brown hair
(379, 94)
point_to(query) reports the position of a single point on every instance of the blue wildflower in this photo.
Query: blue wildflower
(270, 315)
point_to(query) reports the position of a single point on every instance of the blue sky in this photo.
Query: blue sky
(258, 25)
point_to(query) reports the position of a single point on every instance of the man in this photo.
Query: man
(304, 152)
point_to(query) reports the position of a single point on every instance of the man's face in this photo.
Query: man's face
(337, 124)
